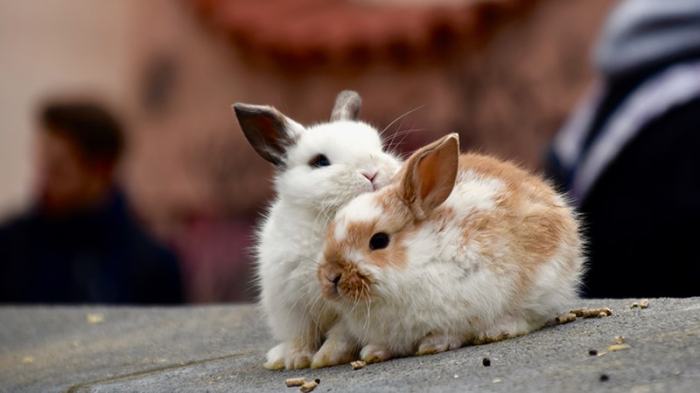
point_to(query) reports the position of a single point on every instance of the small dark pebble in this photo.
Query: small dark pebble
(486, 362)
(604, 377)
(592, 352)
(318, 380)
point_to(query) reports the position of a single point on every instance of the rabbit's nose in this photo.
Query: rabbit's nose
(335, 279)
(370, 175)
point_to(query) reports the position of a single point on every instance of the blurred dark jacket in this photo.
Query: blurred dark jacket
(100, 255)
(630, 155)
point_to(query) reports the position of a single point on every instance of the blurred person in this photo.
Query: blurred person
(79, 242)
(630, 155)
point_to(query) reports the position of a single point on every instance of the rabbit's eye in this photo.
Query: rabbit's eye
(378, 241)
(319, 161)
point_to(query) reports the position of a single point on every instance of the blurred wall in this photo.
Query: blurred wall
(52, 47)
(197, 181)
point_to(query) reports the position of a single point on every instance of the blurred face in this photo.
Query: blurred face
(66, 181)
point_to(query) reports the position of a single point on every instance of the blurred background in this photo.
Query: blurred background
(505, 74)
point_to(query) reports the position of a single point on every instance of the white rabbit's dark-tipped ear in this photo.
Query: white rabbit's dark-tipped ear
(430, 175)
(267, 130)
(347, 106)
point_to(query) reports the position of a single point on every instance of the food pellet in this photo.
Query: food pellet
(618, 347)
(291, 382)
(604, 377)
(592, 312)
(644, 303)
(358, 364)
(308, 386)
(94, 318)
(592, 352)
(486, 362)
(618, 340)
(566, 318)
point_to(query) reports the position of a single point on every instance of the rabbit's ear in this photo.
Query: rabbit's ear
(269, 132)
(430, 175)
(347, 106)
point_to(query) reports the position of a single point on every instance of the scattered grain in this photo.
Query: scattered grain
(291, 382)
(358, 364)
(94, 318)
(618, 347)
(565, 318)
(592, 312)
(644, 303)
(308, 386)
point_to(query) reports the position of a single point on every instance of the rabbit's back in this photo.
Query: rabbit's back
(518, 226)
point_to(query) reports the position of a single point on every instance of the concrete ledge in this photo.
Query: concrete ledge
(221, 348)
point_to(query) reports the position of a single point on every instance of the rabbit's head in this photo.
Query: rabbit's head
(320, 167)
(367, 242)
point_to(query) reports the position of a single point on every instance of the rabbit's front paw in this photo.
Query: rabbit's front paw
(287, 356)
(375, 353)
(275, 357)
(298, 358)
(334, 352)
(435, 343)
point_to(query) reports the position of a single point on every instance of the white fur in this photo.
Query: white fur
(364, 210)
(449, 291)
(291, 237)
(473, 192)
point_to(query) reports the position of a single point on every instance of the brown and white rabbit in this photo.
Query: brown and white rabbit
(459, 249)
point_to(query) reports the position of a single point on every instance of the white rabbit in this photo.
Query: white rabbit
(460, 249)
(319, 168)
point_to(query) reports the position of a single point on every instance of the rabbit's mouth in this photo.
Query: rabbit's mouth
(371, 177)
(329, 285)
(343, 282)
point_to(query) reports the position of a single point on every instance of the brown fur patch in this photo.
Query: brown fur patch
(528, 219)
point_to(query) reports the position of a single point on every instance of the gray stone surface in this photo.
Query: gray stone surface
(221, 348)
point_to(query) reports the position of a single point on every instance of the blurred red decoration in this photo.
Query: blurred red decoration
(314, 33)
